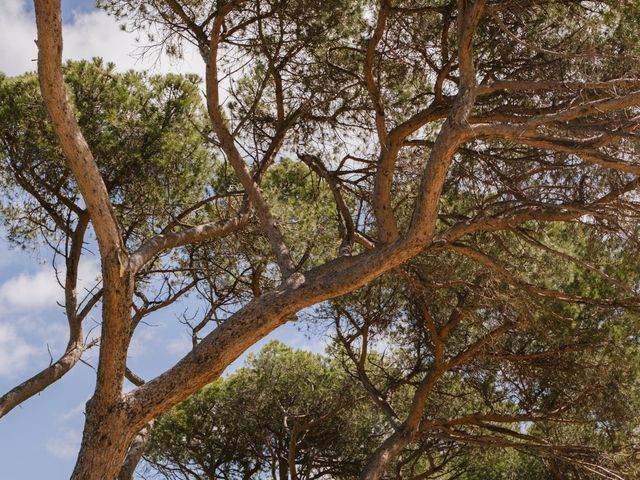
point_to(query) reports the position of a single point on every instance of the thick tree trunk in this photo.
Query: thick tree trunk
(106, 439)
(109, 426)
(379, 460)
(283, 467)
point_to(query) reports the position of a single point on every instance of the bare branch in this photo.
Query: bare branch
(227, 144)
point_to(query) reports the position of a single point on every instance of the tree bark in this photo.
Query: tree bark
(384, 454)
(106, 438)
(293, 451)
(136, 450)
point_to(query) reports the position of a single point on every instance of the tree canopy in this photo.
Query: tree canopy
(453, 179)
(294, 415)
(288, 414)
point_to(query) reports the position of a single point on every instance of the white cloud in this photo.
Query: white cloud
(40, 290)
(65, 445)
(15, 352)
(88, 35)
(73, 413)
(17, 34)
(31, 301)
(30, 291)
(88, 276)
(141, 342)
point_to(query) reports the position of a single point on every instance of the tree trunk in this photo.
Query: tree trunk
(136, 450)
(283, 467)
(293, 450)
(106, 439)
(379, 460)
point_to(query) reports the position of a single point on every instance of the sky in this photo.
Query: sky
(40, 439)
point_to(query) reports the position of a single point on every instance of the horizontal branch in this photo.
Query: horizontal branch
(582, 149)
(589, 108)
(546, 86)
(510, 278)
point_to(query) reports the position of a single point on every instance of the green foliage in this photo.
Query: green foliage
(145, 133)
(244, 425)
(566, 369)
(538, 375)
(306, 210)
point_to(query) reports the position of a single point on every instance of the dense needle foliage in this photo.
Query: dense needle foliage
(449, 188)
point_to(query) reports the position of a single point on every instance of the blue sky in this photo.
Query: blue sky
(39, 440)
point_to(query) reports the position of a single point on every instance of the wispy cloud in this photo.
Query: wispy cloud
(30, 291)
(142, 341)
(89, 34)
(40, 290)
(15, 352)
(32, 327)
(73, 413)
(180, 345)
(65, 445)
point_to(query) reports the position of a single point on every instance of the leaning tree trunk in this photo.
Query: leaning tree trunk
(380, 459)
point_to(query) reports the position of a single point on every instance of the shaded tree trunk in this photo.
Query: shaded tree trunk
(283, 467)
(136, 450)
(384, 454)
